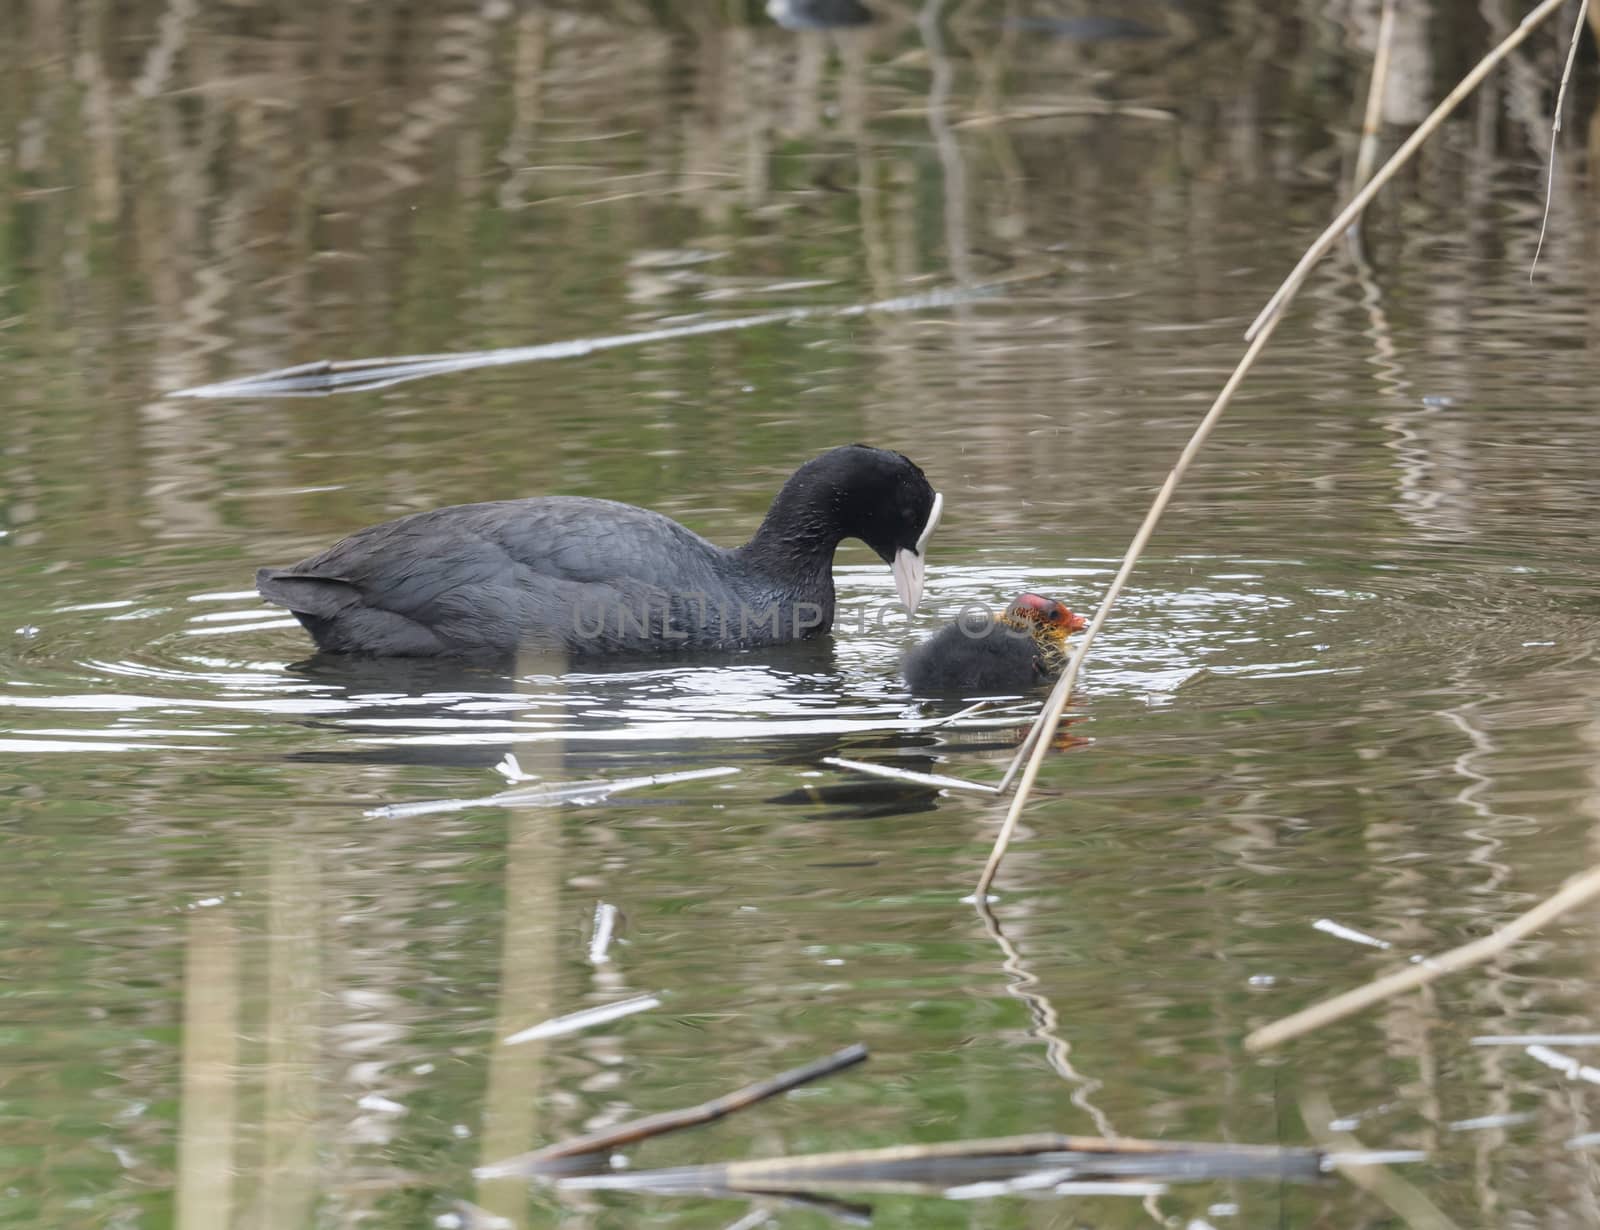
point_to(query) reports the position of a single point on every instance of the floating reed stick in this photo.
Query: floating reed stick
(595, 791)
(938, 1167)
(939, 780)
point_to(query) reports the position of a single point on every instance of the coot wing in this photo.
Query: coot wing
(550, 572)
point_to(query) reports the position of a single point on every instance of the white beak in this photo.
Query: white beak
(910, 566)
(932, 522)
(908, 579)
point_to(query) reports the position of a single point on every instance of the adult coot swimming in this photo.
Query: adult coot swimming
(595, 577)
(1017, 650)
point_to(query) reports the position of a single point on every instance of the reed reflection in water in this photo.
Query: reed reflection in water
(1356, 681)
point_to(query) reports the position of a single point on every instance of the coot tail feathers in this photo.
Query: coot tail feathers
(333, 612)
(306, 593)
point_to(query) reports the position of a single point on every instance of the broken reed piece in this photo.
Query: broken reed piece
(672, 1120)
(937, 1167)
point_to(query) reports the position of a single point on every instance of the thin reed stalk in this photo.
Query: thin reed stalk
(1372, 120)
(1037, 745)
(1555, 132)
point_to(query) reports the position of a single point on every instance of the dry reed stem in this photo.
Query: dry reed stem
(1037, 745)
(1576, 892)
(1367, 152)
(1044, 731)
(1398, 159)
(1028, 742)
(1555, 132)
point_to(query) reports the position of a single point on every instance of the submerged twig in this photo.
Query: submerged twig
(673, 1120)
(1057, 1183)
(951, 719)
(605, 924)
(325, 376)
(1036, 747)
(472, 1217)
(1584, 888)
(1083, 106)
(1555, 132)
(1340, 931)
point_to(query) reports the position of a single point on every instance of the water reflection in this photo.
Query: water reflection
(840, 686)
(818, 14)
(1356, 680)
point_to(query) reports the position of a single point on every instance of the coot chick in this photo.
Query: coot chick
(1015, 651)
(595, 578)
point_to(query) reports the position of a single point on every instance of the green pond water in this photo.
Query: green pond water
(1357, 677)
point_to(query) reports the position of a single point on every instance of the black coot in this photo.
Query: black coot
(595, 577)
(1015, 651)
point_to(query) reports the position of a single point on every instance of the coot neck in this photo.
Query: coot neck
(801, 529)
